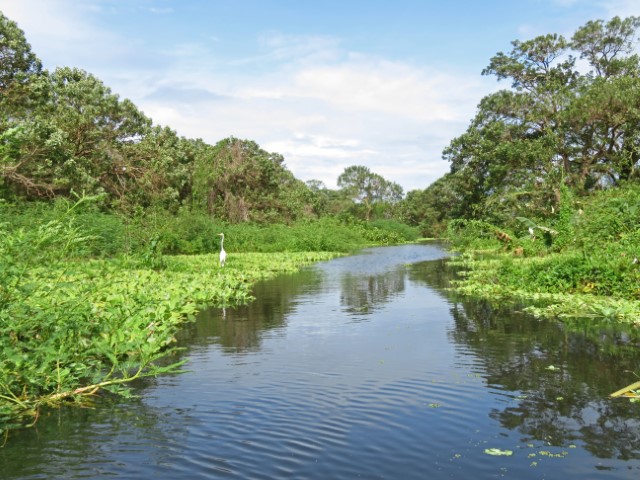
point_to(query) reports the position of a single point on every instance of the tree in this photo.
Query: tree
(154, 170)
(556, 124)
(604, 118)
(238, 181)
(73, 138)
(368, 189)
(17, 62)
(604, 46)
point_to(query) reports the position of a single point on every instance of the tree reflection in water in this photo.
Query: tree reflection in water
(319, 336)
(558, 375)
(361, 294)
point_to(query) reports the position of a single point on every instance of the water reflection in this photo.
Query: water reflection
(240, 329)
(365, 281)
(562, 379)
(365, 366)
(73, 442)
(557, 376)
(361, 294)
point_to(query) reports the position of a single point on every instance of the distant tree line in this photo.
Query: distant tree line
(65, 132)
(571, 118)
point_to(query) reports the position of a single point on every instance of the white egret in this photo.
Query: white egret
(223, 254)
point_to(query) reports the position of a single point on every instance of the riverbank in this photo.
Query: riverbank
(71, 329)
(583, 261)
(501, 277)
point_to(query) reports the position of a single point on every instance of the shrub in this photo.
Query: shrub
(404, 231)
(610, 215)
(472, 234)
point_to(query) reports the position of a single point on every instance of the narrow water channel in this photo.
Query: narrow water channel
(361, 367)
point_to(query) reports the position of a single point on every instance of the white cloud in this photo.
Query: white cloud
(566, 3)
(320, 106)
(276, 46)
(325, 116)
(621, 8)
(390, 88)
(63, 31)
(161, 11)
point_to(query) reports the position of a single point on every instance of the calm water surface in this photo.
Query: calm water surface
(361, 367)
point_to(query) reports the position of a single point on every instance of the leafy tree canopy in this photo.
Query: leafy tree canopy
(557, 124)
(368, 188)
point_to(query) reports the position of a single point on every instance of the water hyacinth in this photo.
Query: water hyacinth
(69, 329)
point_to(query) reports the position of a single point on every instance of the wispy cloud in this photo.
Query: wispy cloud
(66, 33)
(278, 47)
(161, 11)
(322, 111)
(322, 106)
(621, 8)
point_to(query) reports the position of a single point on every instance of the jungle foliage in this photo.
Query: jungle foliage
(99, 208)
(91, 300)
(571, 117)
(65, 132)
(585, 262)
(71, 326)
(545, 182)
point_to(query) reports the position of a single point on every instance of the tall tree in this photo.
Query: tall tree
(154, 170)
(368, 188)
(555, 124)
(73, 138)
(604, 118)
(609, 47)
(18, 64)
(238, 181)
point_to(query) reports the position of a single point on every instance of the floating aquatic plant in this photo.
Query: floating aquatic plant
(498, 452)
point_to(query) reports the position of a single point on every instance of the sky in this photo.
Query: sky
(326, 83)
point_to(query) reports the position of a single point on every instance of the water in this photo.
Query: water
(361, 367)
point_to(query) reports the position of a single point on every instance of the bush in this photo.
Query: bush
(402, 230)
(609, 216)
(472, 234)
(152, 232)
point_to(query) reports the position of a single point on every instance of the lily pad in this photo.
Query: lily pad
(498, 452)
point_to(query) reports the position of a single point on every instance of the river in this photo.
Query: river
(361, 367)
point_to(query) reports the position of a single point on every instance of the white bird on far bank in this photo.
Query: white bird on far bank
(223, 254)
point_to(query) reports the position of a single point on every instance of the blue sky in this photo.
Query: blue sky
(326, 83)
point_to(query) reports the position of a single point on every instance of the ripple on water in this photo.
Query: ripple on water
(407, 392)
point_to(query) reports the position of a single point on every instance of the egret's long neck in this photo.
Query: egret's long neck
(222, 241)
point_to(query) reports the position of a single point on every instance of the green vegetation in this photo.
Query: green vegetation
(586, 263)
(109, 223)
(92, 300)
(559, 124)
(65, 131)
(544, 184)
(543, 187)
(70, 325)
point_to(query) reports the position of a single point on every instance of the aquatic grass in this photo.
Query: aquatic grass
(552, 286)
(70, 329)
